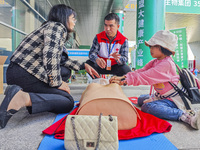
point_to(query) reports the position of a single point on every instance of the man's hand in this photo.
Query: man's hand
(91, 71)
(116, 79)
(101, 62)
(116, 56)
(64, 86)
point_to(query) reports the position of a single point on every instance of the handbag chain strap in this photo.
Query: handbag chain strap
(98, 136)
(75, 136)
(99, 132)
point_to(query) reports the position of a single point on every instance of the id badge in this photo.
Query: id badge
(108, 64)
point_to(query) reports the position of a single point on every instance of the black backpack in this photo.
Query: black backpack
(189, 82)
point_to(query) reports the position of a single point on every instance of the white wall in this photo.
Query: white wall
(6, 43)
(195, 48)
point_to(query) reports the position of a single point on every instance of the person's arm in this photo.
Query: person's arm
(158, 74)
(117, 79)
(124, 53)
(93, 54)
(94, 50)
(53, 44)
(74, 64)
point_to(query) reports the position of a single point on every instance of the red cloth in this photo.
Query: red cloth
(147, 125)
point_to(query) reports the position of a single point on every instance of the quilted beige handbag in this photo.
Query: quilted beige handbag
(83, 132)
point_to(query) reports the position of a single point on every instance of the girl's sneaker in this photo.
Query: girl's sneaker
(192, 118)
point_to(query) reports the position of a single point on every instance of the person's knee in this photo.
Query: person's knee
(66, 106)
(140, 102)
(126, 68)
(69, 101)
(65, 73)
(89, 62)
(71, 105)
(142, 98)
(147, 108)
(122, 70)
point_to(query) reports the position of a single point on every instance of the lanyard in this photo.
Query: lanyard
(111, 48)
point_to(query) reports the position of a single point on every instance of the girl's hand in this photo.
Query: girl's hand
(91, 71)
(118, 80)
(64, 86)
(148, 100)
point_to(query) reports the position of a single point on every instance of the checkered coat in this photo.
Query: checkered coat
(40, 53)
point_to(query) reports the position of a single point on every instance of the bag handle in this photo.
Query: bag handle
(75, 136)
(99, 131)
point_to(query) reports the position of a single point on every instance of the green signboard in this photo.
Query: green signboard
(150, 19)
(180, 57)
(183, 6)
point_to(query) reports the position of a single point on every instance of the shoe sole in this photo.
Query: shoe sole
(4, 114)
(198, 121)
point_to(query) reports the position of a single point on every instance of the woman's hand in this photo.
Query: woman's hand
(91, 71)
(118, 80)
(64, 86)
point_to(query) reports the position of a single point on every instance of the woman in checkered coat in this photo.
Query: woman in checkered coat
(40, 67)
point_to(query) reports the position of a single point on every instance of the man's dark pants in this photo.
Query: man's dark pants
(118, 70)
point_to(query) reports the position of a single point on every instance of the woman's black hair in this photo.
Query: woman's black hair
(165, 51)
(60, 13)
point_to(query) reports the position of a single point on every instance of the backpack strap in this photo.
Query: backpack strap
(182, 95)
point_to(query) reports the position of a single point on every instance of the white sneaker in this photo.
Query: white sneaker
(192, 118)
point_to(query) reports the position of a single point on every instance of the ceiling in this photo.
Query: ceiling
(190, 21)
(91, 13)
(90, 16)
